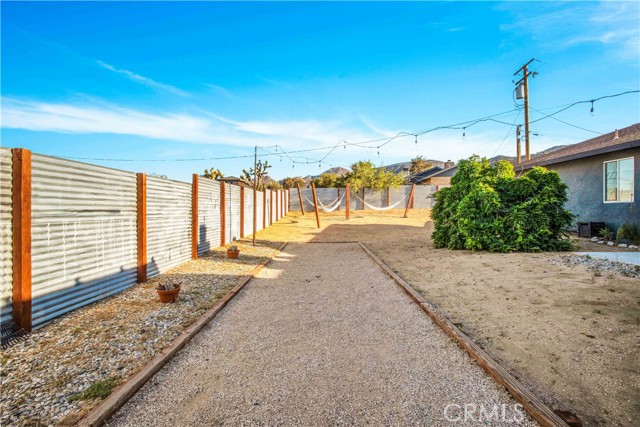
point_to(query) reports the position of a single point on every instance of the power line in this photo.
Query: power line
(567, 123)
(379, 142)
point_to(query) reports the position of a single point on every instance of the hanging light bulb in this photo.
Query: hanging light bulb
(345, 145)
(464, 133)
(378, 151)
(319, 165)
(293, 165)
(416, 139)
(591, 112)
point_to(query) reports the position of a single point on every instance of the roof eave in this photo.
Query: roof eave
(577, 156)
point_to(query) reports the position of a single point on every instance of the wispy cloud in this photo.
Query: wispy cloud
(144, 80)
(558, 26)
(202, 127)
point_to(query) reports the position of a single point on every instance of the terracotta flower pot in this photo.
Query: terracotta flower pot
(169, 296)
(233, 254)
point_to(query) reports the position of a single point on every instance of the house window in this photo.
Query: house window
(618, 180)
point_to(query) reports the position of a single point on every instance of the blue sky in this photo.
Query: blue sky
(163, 81)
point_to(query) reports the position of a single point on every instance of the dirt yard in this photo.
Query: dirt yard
(571, 334)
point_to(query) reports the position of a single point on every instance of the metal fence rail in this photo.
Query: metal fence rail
(83, 235)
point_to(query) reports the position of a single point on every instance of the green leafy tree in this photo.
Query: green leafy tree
(488, 208)
(419, 164)
(248, 175)
(293, 182)
(327, 180)
(273, 185)
(213, 173)
(365, 175)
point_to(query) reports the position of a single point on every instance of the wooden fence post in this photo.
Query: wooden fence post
(410, 201)
(315, 203)
(21, 229)
(363, 205)
(338, 208)
(347, 203)
(241, 212)
(142, 227)
(289, 200)
(301, 202)
(194, 217)
(223, 215)
(388, 196)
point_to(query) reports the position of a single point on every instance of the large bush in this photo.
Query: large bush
(488, 208)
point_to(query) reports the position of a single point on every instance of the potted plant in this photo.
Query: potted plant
(233, 251)
(168, 292)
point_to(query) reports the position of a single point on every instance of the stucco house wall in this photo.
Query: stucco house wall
(585, 179)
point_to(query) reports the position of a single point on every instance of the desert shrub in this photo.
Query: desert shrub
(630, 232)
(488, 208)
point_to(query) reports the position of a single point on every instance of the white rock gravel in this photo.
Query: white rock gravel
(113, 338)
(321, 337)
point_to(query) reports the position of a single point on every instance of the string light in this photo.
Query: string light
(416, 139)
(464, 133)
(591, 112)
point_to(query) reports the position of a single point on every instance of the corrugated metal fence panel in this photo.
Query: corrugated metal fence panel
(6, 243)
(423, 196)
(268, 213)
(233, 212)
(248, 211)
(259, 209)
(83, 235)
(168, 224)
(208, 215)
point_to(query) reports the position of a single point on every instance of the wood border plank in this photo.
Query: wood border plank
(532, 404)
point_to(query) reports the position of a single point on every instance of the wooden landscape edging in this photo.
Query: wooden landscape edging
(108, 407)
(534, 406)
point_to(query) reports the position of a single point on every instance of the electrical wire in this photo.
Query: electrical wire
(567, 123)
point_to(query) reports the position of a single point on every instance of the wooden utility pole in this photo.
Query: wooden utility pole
(315, 203)
(518, 153)
(525, 83)
(141, 222)
(410, 201)
(255, 196)
(301, 202)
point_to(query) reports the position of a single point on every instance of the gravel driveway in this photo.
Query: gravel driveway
(321, 337)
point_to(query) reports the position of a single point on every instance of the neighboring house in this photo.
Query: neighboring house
(602, 176)
(440, 176)
(235, 180)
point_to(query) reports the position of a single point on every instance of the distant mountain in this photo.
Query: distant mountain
(405, 166)
(512, 159)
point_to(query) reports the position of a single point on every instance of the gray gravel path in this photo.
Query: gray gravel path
(321, 337)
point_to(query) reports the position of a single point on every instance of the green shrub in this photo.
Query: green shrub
(488, 208)
(629, 232)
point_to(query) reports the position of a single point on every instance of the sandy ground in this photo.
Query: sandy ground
(321, 337)
(570, 334)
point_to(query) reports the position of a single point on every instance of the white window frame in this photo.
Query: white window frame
(604, 180)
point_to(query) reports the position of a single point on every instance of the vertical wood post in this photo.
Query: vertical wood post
(223, 215)
(347, 203)
(194, 217)
(363, 205)
(338, 208)
(264, 208)
(288, 199)
(142, 227)
(388, 196)
(410, 201)
(301, 202)
(241, 212)
(315, 203)
(21, 228)
(277, 205)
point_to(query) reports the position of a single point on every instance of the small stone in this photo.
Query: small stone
(600, 242)
(623, 245)
(594, 239)
(609, 243)
(633, 247)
